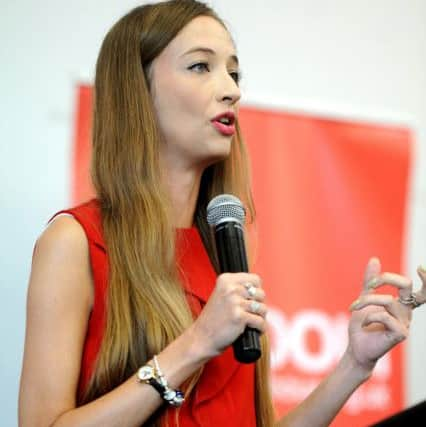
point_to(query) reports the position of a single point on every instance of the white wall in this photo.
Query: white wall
(341, 58)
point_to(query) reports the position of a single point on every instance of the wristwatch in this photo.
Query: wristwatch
(146, 374)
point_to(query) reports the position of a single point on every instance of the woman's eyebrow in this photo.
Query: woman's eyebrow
(208, 51)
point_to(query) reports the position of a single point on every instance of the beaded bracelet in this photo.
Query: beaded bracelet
(155, 378)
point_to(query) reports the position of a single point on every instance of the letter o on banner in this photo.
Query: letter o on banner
(302, 357)
(280, 335)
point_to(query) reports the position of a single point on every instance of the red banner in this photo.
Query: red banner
(82, 188)
(329, 195)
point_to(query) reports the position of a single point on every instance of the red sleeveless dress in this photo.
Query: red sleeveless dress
(225, 394)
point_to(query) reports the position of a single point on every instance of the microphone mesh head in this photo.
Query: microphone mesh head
(225, 207)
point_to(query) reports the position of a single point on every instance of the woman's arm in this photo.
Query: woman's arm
(377, 324)
(60, 298)
(323, 404)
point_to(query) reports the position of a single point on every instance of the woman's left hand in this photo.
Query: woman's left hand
(380, 321)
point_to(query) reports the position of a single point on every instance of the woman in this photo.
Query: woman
(124, 306)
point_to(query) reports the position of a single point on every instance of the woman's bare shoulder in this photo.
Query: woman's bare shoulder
(58, 308)
(63, 233)
(61, 258)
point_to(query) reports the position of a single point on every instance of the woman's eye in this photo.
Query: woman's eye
(199, 67)
(236, 76)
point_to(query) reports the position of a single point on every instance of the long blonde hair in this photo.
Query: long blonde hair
(146, 305)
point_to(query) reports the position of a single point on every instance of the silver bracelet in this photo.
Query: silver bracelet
(173, 397)
(155, 378)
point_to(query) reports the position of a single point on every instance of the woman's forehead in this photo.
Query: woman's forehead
(202, 32)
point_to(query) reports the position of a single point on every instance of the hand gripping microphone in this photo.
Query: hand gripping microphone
(226, 214)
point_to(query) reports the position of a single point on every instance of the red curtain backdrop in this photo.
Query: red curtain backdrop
(329, 195)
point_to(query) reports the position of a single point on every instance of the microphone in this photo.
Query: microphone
(226, 214)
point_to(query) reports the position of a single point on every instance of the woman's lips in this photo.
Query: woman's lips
(227, 130)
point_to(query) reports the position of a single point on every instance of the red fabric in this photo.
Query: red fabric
(224, 395)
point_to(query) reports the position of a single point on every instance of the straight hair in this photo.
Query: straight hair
(146, 308)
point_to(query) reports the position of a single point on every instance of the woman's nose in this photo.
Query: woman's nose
(228, 90)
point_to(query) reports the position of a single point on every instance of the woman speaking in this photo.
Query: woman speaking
(128, 321)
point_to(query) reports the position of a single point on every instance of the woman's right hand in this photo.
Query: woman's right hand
(230, 309)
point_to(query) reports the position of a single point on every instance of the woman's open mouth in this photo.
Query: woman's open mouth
(225, 123)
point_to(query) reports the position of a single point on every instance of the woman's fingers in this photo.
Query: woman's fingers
(371, 272)
(421, 271)
(396, 331)
(421, 294)
(247, 285)
(251, 292)
(246, 278)
(250, 313)
(241, 278)
(388, 302)
(245, 298)
(374, 279)
(256, 322)
(255, 307)
(404, 285)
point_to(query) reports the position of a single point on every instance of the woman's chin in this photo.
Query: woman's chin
(218, 155)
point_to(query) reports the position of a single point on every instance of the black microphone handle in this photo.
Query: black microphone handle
(232, 257)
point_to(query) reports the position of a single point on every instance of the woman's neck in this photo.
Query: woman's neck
(183, 186)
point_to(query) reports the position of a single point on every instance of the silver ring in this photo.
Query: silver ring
(255, 307)
(251, 289)
(411, 301)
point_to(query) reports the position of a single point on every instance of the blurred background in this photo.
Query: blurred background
(345, 59)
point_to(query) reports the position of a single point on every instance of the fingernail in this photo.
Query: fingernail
(372, 283)
(354, 304)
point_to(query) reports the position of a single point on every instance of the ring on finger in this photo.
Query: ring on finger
(254, 307)
(248, 285)
(410, 301)
(252, 291)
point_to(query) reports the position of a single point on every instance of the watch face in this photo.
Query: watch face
(146, 373)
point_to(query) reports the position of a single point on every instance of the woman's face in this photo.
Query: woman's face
(194, 84)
